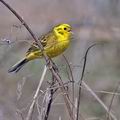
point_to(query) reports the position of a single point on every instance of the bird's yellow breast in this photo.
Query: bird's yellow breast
(57, 49)
(62, 43)
(56, 42)
(51, 52)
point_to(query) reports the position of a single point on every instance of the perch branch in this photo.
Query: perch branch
(49, 65)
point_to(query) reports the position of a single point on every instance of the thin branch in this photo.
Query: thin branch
(76, 107)
(21, 19)
(51, 98)
(107, 92)
(26, 26)
(110, 106)
(73, 104)
(81, 79)
(48, 61)
(63, 90)
(72, 79)
(45, 105)
(99, 100)
(36, 94)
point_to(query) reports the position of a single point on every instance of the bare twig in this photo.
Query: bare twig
(49, 64)
(72, 80)
(110, 106)
(73, 104)
(107, 92)
(81, 79)
(36, 94)
(51, 98)
(63, 90)
(76, 107)
(20, 18)
(45, 104)
(99, 100)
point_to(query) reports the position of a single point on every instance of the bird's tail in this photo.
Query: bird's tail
(18, 66)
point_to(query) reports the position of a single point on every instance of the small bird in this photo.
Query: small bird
(55, 42)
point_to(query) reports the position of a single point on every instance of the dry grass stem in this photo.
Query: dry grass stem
(36, 94)
(99, 100)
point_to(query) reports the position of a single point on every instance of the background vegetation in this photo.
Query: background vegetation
(93, 21)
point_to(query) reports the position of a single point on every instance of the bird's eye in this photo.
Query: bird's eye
(65, 28)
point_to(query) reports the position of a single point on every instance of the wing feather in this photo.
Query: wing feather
(48, 41)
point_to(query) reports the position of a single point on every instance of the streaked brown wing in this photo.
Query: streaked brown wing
(34, 47)
(47, 41)
(51, 41)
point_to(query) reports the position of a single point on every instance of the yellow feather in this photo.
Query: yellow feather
(54, 42)
(57, 41)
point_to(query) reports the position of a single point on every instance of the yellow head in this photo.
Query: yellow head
(63, 31)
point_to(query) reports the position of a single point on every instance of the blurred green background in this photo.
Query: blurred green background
(93, 21)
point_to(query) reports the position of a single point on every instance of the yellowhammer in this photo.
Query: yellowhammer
(54, 42)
